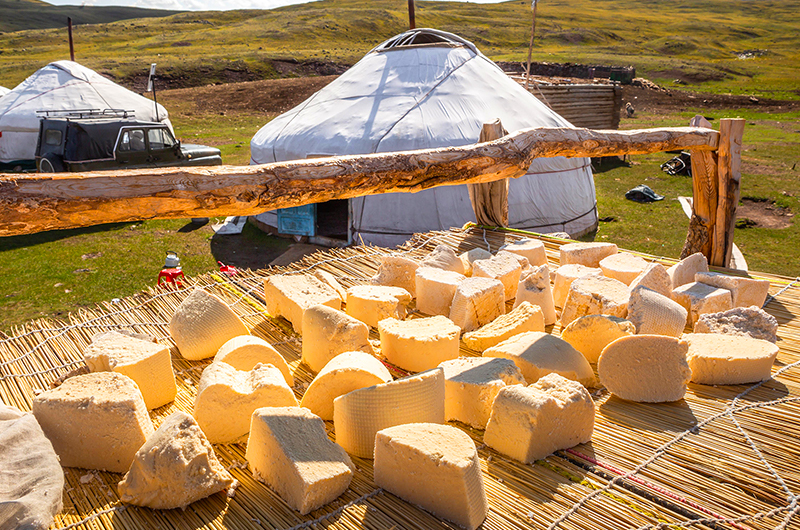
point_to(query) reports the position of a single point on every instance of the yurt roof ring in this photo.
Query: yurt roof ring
(422, 37)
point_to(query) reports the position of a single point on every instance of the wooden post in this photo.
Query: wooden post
(71, 47)
(530, 46)
(705, 196)
(490, 199)
(412, 20)
(729, 164)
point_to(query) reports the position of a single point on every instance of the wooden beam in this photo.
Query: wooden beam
(704, 203)
(729, 166)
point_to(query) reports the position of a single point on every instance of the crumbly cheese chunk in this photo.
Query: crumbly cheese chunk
(445, 258)
(435, 290)
(327, 332)
(588, 254)
(289, 296)
(645, 368)
(227, 397)
(532, 249)
(535, 288)
(470, 256)
(147, 363)
(477, 302)
(246, 351)
(472, 383)
(748, 321)
(174, 468)
(372, 303)
(699, 298)
(358, 415)
(654, 277)
(623, 266)
(202, 324)
(595, 295)
(344, 373)
(744, 291)
(655, 314)
(419, 344)
(94, 421)
(524, 317)
(530, 423)
(397, 271)
(328, 278)
(505, 267)
(446, 457)
(289, 450)
(565, 275)
(717, 359)
(590, 334)
(683, 272)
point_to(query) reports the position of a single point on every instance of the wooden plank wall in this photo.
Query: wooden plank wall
(590, 106)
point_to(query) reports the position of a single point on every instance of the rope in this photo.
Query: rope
(338, 511)
(772, 297)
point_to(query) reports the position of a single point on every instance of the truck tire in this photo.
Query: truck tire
(51, 164)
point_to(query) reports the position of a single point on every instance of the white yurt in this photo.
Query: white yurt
(4, 91)
(426, 89)
(60, 86)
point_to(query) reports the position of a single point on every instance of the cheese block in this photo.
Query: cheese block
(397, 271)
(344, 373)
(436, 289)
(655, 314)
(538, 354)
(748, 321)
(623, 266)
(445, 258)
(524, 264)
(683, 272)
(588, 254)
(175, 467)
(654, 277)
(246, 351)
(595, 295)
(419, 344)
(372, 303)
(532, 249)
(504, 267)
(530, 423)
(645, 368)
(147, 363)
(358, 415)
(289, 296)
(470, 256)
(477, 302)
(330, 279)
(203, 323)
(565, 275)
(744, 291)
(452, 487)
(226, 397)
(590, 334)
(329, 332)
(535, 288)
(699, 298)
(729, 359)
(472, 383)
(289, 450)
(524, 317)
(94, 421)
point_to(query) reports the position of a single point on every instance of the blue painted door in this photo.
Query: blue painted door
(299, 221)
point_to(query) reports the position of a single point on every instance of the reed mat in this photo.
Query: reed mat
(723, 457)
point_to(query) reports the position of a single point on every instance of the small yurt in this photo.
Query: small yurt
(424, 89)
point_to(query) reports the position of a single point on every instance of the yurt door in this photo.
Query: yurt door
(298, 221)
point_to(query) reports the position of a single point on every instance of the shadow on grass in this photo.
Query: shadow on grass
(607, 163)
(29, 240)
(252, 249)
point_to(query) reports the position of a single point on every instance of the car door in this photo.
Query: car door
(131, 148)
(162, 146)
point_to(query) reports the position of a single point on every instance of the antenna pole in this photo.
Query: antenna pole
(71, 47)
(412, 23)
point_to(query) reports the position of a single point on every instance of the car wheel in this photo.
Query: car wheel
(50, 164)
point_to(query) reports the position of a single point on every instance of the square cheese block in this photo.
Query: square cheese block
(655, 314)
(654, 277)
(246, 351)
(329, 332)
(588, 254)
(477, 302)
(524, 317)
(592, 333)
(645, 368)
(445, 258)
(595, 295)
(535, 289)
(148, 363)
(565, 275)
(472, 383)
(372, 303)
(471, 256)
(748, 321)
(289, 450)
(452, 487)
(359, 414)
(344, 373)
(683, 272)
(729, 359)
(419, 344)
(532, 249)
(94, 421)
(744, 291)
(227, 397)
(524, 264)
(397, 271)
(504, 267)
(436, 289)
(203, 323)
(538, 354)
(623, 266)
(530, 423)
(174, 468)
(289, 296)
(699, 298)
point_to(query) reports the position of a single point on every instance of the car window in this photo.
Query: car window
(52, 137)
(132, 140)
(160, 139)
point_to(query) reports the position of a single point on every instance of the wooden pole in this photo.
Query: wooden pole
(530, 46)
(412, 20)
(71, 47)
(729, 164)
(705, 195)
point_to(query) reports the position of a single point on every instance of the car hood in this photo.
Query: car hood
(198, 151)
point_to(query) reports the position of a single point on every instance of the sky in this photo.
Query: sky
(200, 5)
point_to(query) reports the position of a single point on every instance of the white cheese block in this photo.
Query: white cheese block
(532, 249)
(289, 450)
(470, 256)
(202, 324)
(530, 423)
(397, 271)
(477, 302)
(524, 264)
(565, 275)
(538, 354)
(729, 359)
(683, 272)
(535, 288)
(504, 267)
(654, 277)
(419, 344)
(623, 266)
(358, 415)
(699, 298)
(748, 321)
(344, 373)
(744, 291)
(372, 303)
(435, 290)
(246, 351)
(445, 258)
(655, 314)
(147, 363)
(452, 487)
(472, 383)
(588, 254)
(330, 279)
(645, 368)
(227, 397)
(595, 295)
(174, 468)
(524, 317)
(94, 421)
(329, 332)
(590, 334)
(289, 296)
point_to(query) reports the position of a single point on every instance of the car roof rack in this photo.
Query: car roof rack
(87, 114)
